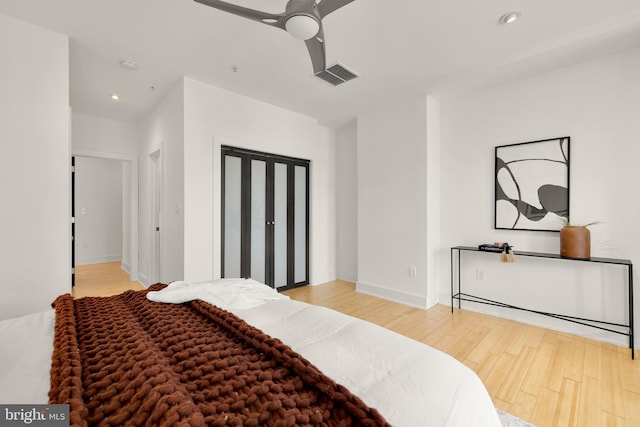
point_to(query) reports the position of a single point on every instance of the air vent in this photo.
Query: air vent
(336, 74)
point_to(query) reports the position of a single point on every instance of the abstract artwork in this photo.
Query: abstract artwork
(532, 185)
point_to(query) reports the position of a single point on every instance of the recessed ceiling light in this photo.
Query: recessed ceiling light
(128, 65)
(115, 97)
(509, 17)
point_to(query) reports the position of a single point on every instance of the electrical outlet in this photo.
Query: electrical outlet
(413, 272)
(479, 274)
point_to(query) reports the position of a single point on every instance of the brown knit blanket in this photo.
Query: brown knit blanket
(124, 360)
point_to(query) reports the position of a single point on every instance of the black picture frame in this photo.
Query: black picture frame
(532, 185)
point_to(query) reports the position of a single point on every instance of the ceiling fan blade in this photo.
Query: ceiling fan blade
(315, 46)
(325, 7)
(276, 20)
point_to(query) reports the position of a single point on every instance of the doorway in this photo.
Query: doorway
(265, 217)
(156, 213)
(128, 211)
(98, 208)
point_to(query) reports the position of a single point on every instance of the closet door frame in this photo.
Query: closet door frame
(246, 156)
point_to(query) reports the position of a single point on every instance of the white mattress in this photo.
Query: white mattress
(410, 383)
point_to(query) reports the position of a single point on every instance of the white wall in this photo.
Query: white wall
(163, 130)
(215, 117)
(101, 138)
(347, 202)
(596, 104)
(98, 203)
(97, 134)
(35, 254)
(394, 149)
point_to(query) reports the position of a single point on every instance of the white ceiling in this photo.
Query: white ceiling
(399, 48)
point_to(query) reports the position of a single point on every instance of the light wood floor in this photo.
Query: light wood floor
(545, 377)
(101, 280)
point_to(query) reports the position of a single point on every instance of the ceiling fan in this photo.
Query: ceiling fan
(301, 18)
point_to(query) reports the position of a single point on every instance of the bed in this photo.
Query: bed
(360, 369)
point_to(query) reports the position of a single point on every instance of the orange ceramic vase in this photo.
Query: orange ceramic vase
(575, 242)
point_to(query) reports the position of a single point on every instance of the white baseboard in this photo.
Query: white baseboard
(545, 322)
(353, 278)
(99, 259)
(127, 269)
(142, 279)
(392, 295)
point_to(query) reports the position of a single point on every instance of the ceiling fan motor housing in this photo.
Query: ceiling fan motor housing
(302, 26)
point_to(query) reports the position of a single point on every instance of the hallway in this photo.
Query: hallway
(106, 279)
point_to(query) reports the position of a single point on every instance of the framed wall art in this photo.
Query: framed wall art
(532, 185)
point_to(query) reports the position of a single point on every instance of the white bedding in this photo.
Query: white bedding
(411, 384)
(25, 358)
(225, 293)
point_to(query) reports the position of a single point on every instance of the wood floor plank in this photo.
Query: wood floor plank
(520, 340)
(482, 350)
(494, 381)
(555, 371)
(513, 380)
(590, 407)
(629, 372)
(593, 360)
(534, 336)
(574, 367)
(450, 342)
(487, 367)
(545, 410)
(612, 400)
(610, 420)
(568, 404)
(631, 407)
(505, 338)
(523, 405)
(537, 375)
(475, 336)
(502, 405)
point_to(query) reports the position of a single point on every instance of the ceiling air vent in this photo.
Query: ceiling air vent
(336, 74)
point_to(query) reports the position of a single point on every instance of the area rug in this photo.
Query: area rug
(509, 420)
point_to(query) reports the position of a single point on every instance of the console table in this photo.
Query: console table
(599, 324)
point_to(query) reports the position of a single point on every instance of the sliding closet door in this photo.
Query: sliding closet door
(258, 218)
(232, 208)
(300, 222)
(265, 225)
(280, 247)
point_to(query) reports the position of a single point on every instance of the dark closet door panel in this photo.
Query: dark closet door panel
(280, 226)
(232, 217)
(265, 224)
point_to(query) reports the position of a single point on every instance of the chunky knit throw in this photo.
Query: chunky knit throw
(124, 360)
